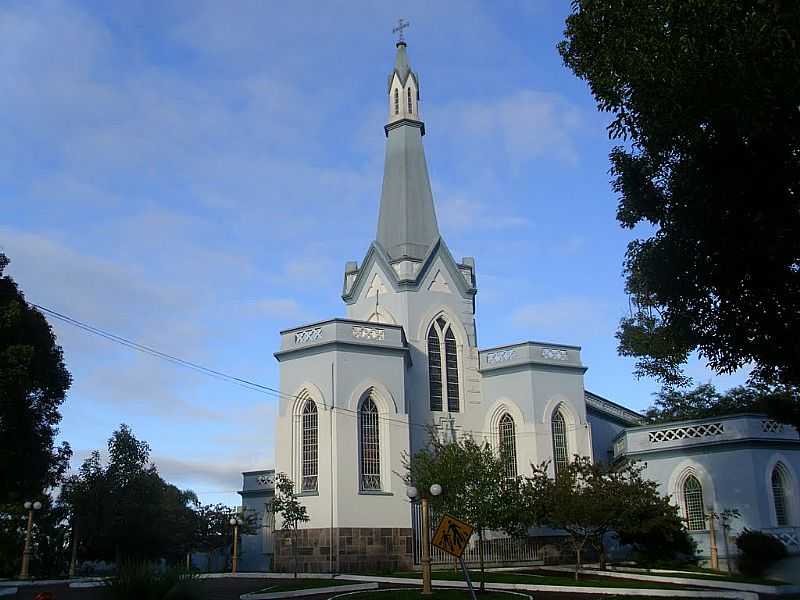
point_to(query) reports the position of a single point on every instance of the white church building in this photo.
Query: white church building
(361, 391)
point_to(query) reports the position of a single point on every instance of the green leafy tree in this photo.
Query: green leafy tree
(125, 510)
(475, 483)
(213, 531)
(33, 382)
(589, 501)
(705, 401)
(705, 96)
(286, 504)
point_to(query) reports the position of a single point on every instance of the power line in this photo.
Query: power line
(245, 383)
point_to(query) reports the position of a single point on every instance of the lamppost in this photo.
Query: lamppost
(414, 494)
(26, 553)
(236, 522)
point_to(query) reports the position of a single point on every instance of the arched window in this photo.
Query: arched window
(442, 342)
(396, 101)
(369, 441)
(559, 430)
(409, 101)
(779, 481)
(693, 502)
(508, 445)
(310, 451)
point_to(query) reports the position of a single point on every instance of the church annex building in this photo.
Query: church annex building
(359, 392)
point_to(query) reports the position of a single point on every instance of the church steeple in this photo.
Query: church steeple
(407, 225)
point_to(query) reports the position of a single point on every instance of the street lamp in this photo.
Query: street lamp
(413, 494)
(235, 522)
(26, 553)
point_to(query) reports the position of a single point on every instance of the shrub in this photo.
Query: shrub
(758, 551)
(141, 581)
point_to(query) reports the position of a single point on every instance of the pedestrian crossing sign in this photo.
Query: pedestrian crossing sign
(452, 535)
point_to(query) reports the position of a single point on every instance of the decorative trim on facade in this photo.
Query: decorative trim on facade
(689, 431)
(308, 335)
(554, 354)
(770, 426)
(368, 333)
(266, 480)
(790, 536)
(619, 446)
(492, 358)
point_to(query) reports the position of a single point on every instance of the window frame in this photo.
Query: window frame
(780, 495)
(507, 444)
(309, 447)
(442, 338)
(369, 450)
(693, 504)
(560, 441)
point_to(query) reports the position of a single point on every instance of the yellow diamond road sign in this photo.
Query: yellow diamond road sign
(452, 535)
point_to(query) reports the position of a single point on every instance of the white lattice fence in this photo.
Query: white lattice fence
(686, 432)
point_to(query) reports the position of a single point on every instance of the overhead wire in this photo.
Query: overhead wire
(245, 383)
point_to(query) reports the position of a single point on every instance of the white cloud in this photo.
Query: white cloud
(528, 124)
(563, 317)
(459, 213)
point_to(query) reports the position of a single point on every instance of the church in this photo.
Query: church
(360, 392)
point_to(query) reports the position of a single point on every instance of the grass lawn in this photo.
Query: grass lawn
(545, 579)
(438, 594)
(289, 585)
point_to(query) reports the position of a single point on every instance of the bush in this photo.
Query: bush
(757, 552)
(141, 581)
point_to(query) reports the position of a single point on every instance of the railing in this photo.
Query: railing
(498, 550)
(790, 536)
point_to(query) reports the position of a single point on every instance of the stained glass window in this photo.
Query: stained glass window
(508, 445)
(310, 449)
(693, 502)
(559, 431)
(443, 379)
(370, 446)
(779, 495)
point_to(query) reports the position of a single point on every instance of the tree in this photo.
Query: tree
(125, 510)
(705, 96)
(286, 504)
(213, 530)
(476, 486)
(705, 401)
(656, 531)
(588, 501)
(33, 383)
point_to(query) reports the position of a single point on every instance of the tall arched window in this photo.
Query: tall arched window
(409, 100)
(559, 430)
(310, 451)
(693, 502)
(508, 445)
(396, 101)
(779, 481)
(369, 442)
(442, 343)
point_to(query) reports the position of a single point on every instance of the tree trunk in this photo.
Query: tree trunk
(578, 550)
(480, 558)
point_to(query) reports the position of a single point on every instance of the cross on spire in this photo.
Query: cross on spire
(401, 25)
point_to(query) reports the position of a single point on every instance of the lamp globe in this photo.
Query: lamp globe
(436, 489)
(37, 505)
(411, 492)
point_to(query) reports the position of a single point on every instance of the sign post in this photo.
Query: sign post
(452, 536)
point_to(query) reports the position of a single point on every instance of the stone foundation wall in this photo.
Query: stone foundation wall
(354, 549)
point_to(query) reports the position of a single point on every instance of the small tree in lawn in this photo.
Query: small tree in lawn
(587, 500)
(289, 508)
(476, 485)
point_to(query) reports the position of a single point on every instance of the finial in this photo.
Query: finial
(401, 25)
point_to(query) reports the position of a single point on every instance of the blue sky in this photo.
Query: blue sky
(194, 175)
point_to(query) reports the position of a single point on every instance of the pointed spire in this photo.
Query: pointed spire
(407, 225)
